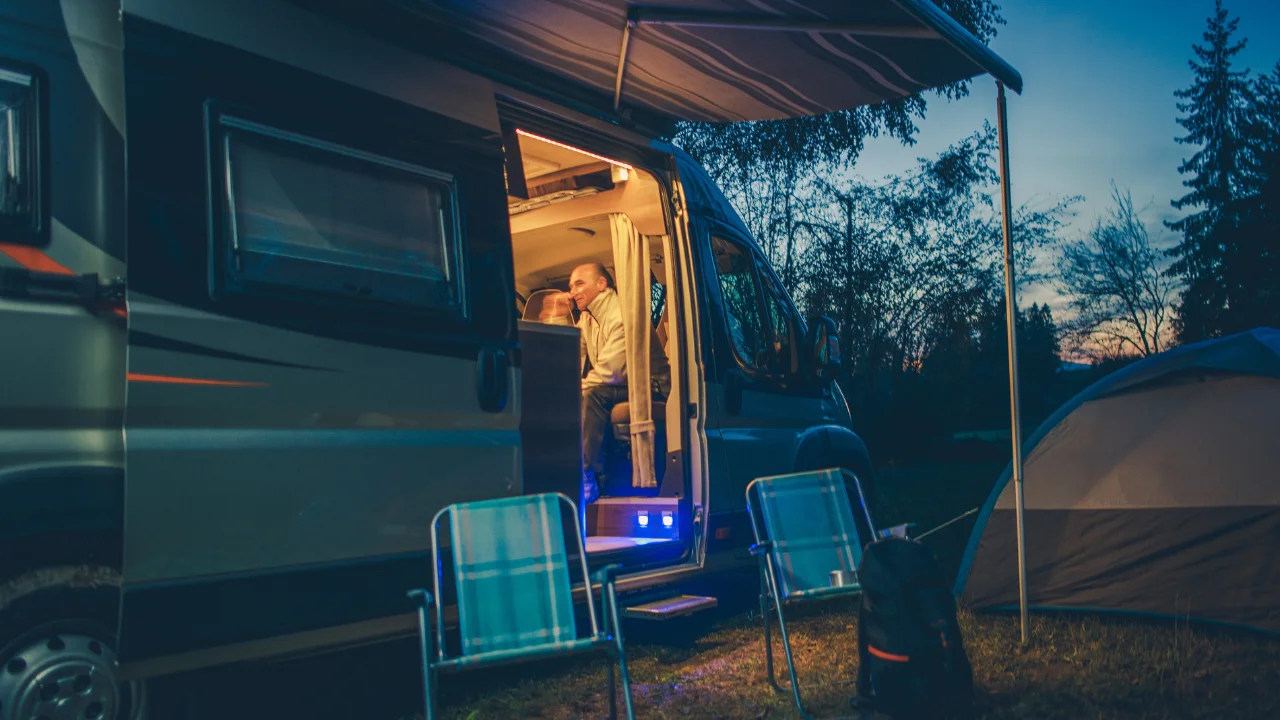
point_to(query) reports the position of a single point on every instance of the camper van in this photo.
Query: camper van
(279, 280)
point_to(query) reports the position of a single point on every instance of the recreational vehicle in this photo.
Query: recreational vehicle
(280, 279)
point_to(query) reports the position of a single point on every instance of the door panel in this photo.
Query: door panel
(321, 344)
(764, 403)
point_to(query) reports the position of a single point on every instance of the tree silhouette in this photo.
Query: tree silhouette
(1251, 240)
(1217, 118)
(1116, 286)
(911, 268)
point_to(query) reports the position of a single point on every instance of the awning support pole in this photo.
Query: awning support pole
(1011, 315)
(622, 63)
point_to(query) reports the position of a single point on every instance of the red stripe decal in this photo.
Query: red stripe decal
(32, 259)
(166, 379)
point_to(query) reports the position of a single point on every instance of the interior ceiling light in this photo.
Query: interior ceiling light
(574, 149)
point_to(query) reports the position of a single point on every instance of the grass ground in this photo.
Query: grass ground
(1075, 666)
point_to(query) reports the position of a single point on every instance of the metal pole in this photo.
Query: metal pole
(622, 63)
(1010, 304)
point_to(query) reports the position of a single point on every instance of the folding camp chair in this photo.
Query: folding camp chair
(514, 598)
(804, 529)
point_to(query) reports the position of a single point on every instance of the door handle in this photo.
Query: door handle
(491, 379)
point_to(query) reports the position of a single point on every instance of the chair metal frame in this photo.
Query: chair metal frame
(601, 640)
(769, 587)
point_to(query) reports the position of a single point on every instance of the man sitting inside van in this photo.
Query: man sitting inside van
(604, 346)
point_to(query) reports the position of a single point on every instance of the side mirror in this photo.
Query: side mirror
(824, 349)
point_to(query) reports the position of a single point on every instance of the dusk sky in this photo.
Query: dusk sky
(1098, 102)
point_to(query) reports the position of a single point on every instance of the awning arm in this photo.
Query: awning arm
(643, 15)
(962, 40)
(622, 63)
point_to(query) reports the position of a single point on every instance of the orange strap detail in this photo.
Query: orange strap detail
(887, 656)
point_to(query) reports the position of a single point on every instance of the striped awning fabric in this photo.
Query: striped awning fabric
(731, 60)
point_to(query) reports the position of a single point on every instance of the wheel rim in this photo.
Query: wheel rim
(65, 676)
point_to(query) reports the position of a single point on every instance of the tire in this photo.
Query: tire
(58, 644)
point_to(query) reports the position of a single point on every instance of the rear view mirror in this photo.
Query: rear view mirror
(824, 349)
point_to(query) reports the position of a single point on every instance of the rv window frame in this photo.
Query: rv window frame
(229, 281)
(35, 231)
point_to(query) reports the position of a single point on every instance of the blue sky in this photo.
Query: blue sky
(1098, 102)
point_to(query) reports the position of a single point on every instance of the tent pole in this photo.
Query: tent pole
(1011, 315)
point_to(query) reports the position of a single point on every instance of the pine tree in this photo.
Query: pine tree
(1252, 270)
(1218, 111)
(1265, 135)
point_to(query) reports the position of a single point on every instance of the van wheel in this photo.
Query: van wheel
(58, 647)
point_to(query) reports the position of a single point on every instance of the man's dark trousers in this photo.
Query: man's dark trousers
(597, 402)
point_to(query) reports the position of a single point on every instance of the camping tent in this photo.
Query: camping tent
(1155, 490)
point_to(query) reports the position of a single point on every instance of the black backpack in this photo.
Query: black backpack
(911, 659)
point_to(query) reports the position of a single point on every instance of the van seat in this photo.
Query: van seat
(620, 418)
(549, 307)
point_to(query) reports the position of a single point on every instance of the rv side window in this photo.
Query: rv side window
(741, 294)
(308, 215)
(20, 181)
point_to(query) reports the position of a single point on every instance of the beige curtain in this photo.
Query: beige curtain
(631, 265)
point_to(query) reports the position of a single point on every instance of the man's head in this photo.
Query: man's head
(586, 282)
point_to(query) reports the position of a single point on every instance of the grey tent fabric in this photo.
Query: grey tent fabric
(724, 74)
(1155, 491)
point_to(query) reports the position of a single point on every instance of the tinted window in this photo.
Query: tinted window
(784, 329)
(741, 293)
(313, 216)
(19, 169)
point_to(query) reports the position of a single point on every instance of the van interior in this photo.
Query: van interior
(575, 207)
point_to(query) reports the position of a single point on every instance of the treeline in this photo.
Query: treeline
(911, 267)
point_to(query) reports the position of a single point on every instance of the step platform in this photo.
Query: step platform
(635, 517)
(672, 607)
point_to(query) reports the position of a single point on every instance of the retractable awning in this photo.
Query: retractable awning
(730, 60)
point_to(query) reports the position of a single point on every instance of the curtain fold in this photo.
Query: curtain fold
(631, 265)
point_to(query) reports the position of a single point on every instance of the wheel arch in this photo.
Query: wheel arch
(58, 514)
(827, 446)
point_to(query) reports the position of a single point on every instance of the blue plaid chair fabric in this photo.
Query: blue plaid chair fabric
(809, 524)
(804, 529)
(514, 592)
(512, 574)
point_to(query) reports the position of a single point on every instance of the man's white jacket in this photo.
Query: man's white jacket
(603, 340)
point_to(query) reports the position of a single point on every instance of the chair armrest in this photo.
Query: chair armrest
(422, 596)
(607, 574)
(761, 548)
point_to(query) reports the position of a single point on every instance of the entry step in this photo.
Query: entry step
(672, 607)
